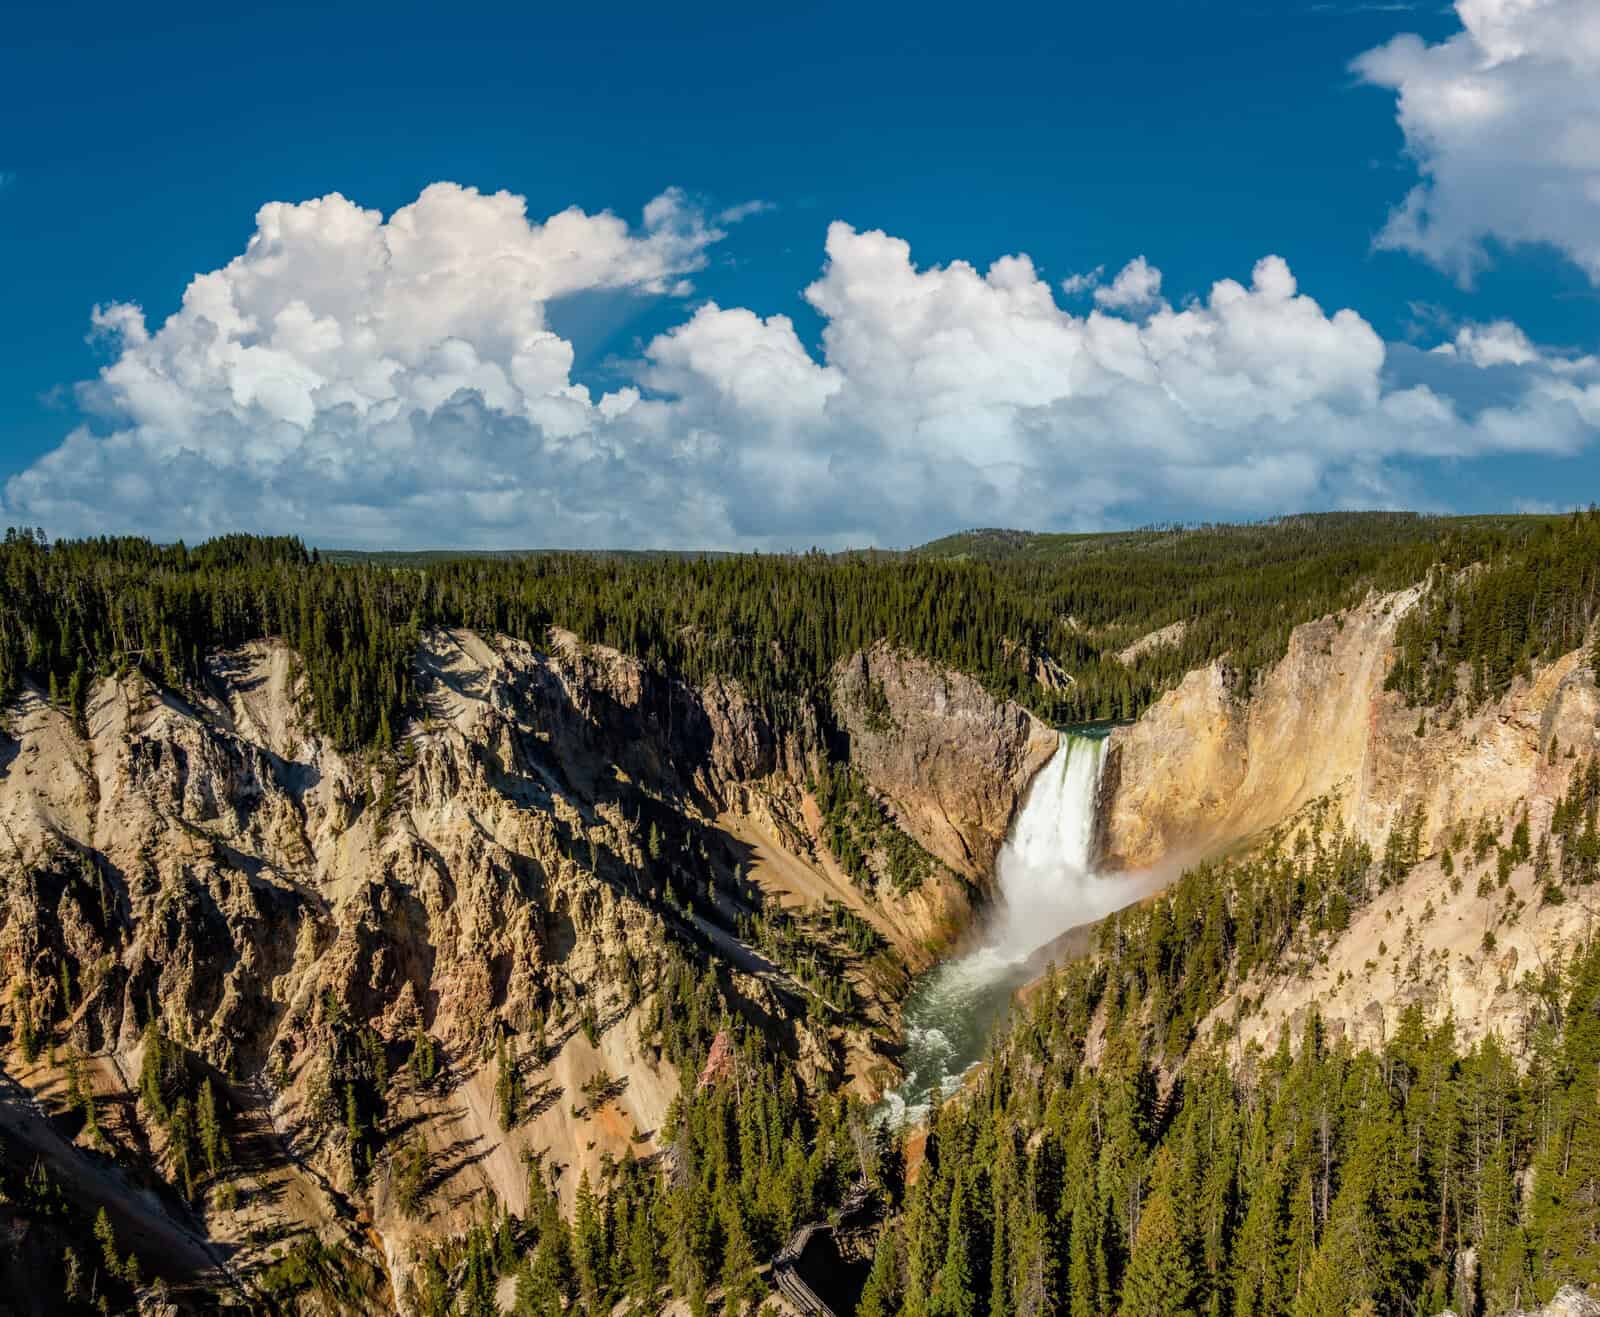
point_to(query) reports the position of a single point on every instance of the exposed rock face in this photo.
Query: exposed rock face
(1419, 944)
(1041, 668)
(1168, 635)
(952, 760)
(1569, 1301)
(1207, 767)
(215, 862)
(598, 709)
(241, 849)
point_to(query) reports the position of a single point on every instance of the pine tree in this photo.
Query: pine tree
(739, 1287)
(1339, 1277)
(80, 1096)
(410, 1177)
(644, 1258)
(476, 1297)
(1034, 1268)
(505, 1248)
(72, 1275)
(180, 1143)
(953, 1294)
(1565, 1210)
(880, 1297)
(150, 1067)
(107, 1239)
(1000, 1263)
(551, 1273)
(507, 1085)
(1260, 1285)
(1375, 1243)
(1088, 1270)
(424, 1064)
(355, 1132)
(690, 1237)
(589, 1252)
(1160, 1280)
(209, 1127)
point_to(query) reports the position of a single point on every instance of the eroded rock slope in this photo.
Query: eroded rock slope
(556, 833)
(1212, 769)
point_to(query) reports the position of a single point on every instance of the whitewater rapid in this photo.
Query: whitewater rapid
(1045, 884)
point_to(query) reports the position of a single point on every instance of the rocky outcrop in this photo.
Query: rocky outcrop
(1164, 638)
(208, 860)
(951, 759)
(600, 710)
(1569, 1301)
(1042, 669)
(1211, 765)
(556, 823)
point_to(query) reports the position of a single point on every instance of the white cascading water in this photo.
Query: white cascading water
(1045, 885)
(1043, 868)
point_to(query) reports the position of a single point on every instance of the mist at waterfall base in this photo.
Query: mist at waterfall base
(1045, 885)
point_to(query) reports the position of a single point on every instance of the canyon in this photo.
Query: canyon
(563, 829)
(512, 878)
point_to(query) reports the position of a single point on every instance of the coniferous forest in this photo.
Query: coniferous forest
(663, 662)
(1150, 1167)
(986, 603)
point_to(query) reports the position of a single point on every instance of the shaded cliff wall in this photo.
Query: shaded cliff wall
(953, 761)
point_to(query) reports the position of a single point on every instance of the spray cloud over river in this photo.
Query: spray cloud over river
(1045, 884)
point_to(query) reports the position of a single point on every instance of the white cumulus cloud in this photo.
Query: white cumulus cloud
(1137, 285)
(358, 380)
(1503, 120)
(1086, 281)
(1498, 344)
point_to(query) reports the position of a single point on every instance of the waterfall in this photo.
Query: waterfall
(1044, 884)
(1043, 875)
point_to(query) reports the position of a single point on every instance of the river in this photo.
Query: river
(1045, 884)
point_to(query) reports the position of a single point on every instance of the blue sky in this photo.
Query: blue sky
(137, 146)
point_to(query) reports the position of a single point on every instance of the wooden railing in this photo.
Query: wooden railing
(852, 1239)
(786, 1275)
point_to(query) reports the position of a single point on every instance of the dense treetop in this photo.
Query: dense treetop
(985, 603)
(1480, 626)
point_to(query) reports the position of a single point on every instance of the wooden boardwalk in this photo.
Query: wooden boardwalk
(821, 1267)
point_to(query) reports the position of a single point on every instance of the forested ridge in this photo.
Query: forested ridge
(1489, 621)
(76, 609)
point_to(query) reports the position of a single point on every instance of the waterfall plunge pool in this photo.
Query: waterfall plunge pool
(1044, 886)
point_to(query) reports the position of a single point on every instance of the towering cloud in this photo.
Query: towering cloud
(372, 381)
